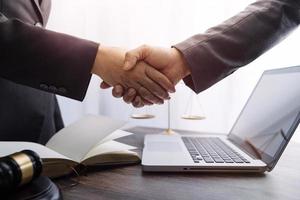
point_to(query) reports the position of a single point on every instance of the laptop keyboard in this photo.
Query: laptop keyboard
(211, 150)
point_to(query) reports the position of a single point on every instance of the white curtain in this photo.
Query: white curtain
(130, 23)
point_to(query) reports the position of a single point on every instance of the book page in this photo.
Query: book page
(107, 147)
(7, 148)
(115, 135)
(76, 140)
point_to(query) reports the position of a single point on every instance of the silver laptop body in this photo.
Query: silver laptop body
(255, 142)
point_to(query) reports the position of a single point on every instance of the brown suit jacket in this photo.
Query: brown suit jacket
(34, 60)
(221, 50)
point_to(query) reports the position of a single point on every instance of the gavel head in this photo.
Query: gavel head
(18, 169)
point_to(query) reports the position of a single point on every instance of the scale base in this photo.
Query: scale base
(169, 132)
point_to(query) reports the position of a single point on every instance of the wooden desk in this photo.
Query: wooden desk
(130, 182)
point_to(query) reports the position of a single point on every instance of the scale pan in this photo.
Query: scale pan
(142, 116)
(192, 117)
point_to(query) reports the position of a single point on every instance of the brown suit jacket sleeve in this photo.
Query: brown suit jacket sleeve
(238, 41)
(44, 59)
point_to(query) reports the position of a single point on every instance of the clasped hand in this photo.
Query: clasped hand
(143, 76)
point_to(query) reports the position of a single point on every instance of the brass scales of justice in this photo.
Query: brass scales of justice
(188, 115)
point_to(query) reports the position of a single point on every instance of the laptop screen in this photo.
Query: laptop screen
(270, 116)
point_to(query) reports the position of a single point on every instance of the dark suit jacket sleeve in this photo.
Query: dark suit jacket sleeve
(238, 41)
(44, 59)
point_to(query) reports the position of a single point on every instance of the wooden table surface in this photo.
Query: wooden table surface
(129, 182)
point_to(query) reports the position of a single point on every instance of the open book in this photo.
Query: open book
(89, 141)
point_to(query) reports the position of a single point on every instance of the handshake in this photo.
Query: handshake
(142, 76)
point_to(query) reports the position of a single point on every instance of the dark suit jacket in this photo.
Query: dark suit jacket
(33, 59)
(238, 41)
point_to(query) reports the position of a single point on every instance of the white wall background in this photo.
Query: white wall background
(130, 23)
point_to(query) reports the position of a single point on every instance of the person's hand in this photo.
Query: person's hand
(169, 61)
(151, 85)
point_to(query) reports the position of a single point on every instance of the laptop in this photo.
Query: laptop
(255, 142)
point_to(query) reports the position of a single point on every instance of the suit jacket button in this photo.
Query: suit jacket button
(38, 24)
(62, 90)
(44, 86)
(52, 89)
